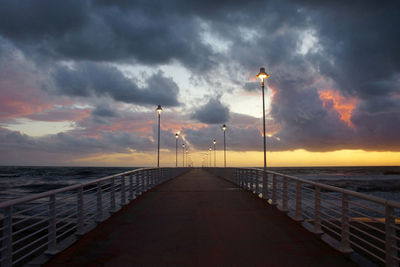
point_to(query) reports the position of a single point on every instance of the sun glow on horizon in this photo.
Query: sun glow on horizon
(295, 158)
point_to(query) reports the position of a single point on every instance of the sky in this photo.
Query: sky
(80, 81)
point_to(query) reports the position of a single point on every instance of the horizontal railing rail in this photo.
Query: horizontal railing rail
(44, 223)
(348, 220)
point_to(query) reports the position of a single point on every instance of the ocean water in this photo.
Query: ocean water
(381, 182)
(17, 182)
(21, 181)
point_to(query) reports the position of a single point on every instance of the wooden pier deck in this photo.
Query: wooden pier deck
(199, 220)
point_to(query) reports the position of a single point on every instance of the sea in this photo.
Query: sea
(17, 181)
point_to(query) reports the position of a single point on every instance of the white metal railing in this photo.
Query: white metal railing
(349, 220)
(43, 223)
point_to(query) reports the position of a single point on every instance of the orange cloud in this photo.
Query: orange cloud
(344, 106)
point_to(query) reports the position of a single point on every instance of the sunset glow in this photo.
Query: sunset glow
(344, 106)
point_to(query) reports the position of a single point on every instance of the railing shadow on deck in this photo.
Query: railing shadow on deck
(35, 227)
(358, 224)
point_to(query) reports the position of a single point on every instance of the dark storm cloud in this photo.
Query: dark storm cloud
(86, 30)
(30, 21)
(305, 122)
(17, 146)
(237, 138)
(212, 112)
(356, 50)
(88, 79)
(104, 110)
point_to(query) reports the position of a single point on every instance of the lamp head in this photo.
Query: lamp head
(209, 148)
(159, 109)
(214, 142)
(262, 74)
(176, 135)
(183, 145)
(224, 127)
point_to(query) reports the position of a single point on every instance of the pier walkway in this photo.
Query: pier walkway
(201, 220)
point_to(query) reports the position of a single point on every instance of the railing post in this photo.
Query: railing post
(243, 178)
(248, 175)
(257, 182)
(137, 185)
(284, 194)
(99, 203)
(265, 185)
(273, 189)
(299, 216)
(131, 197)
(112, 198)
(79, 223)
(142, 186)
(147, 176)
(236, 177)
(317, 210)
(7, 241)
(51, 247)
(390, 232)
(253, 182)
(123, 190)
(345, 233)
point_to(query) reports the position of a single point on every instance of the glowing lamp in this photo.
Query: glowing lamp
(224, 127)
(159, 109)
(262, 74)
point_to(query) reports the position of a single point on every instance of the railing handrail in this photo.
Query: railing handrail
(379, 200)
(28, 198)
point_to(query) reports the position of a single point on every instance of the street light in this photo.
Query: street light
(224, 129)
(215, 154)
(263, 75)
(183, 155)
(158, 109)
(176, 151)
(186, 158)
(209, 149)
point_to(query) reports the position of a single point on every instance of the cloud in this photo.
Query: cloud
(308, 48)
(89, 30)
(16, 147)
(91, 79)
(212, 112)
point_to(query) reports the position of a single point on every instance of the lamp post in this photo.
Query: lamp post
(176, 151)
(186, 158)
(263, 75)
(183, 155)
(158, 109)
(209, 149)
(224, 130)
(215, 154)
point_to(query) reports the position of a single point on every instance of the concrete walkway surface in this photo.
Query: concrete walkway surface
(199, 220)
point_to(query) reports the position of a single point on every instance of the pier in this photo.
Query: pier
(201, 217)
(201, 220)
